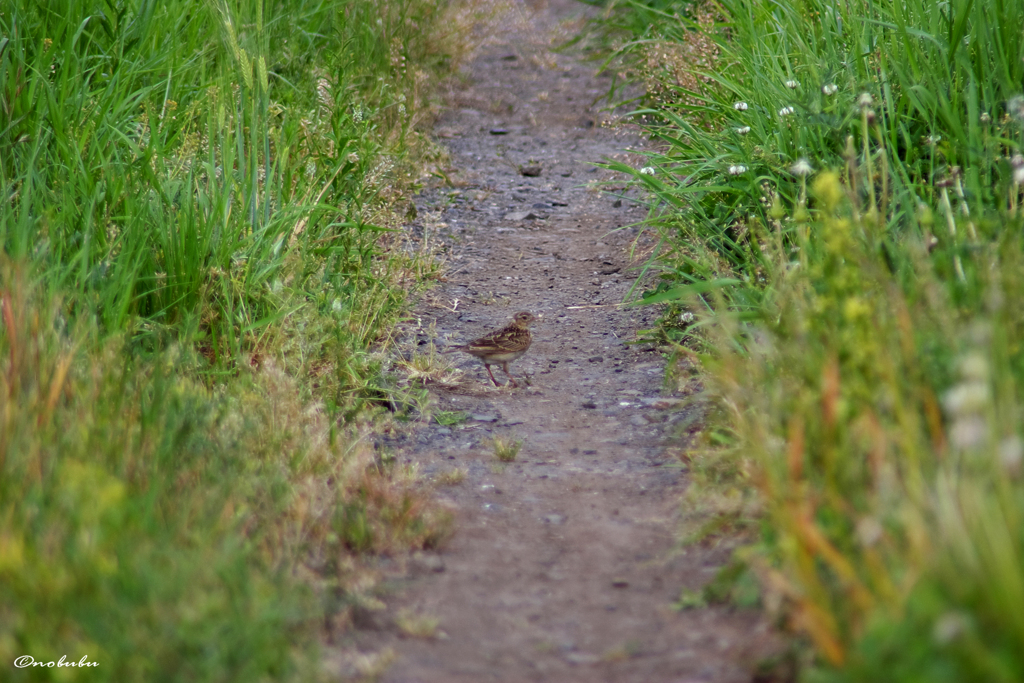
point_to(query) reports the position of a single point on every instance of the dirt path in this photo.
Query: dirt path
(565, 563)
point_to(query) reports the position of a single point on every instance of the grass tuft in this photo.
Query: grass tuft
(506, 448)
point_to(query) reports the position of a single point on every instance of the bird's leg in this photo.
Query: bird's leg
(504, 366)
(492, 375)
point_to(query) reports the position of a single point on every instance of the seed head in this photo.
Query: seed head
(865, 99)
(985, 118)
(802, 167)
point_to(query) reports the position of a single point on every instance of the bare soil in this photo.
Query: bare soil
(564, 564)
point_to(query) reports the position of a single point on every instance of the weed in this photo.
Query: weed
(506, 448)
(453, 477)
(416, 625)
(449, 418)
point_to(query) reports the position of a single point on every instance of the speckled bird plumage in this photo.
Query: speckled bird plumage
(501, 347)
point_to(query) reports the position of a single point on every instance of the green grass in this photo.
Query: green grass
(201, 260)
(506, 448)
(849, 238)
(450, 418)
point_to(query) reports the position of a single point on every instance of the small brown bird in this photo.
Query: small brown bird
(501, 347)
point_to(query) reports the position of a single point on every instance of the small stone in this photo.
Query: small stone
(531, 170)
(663, 402)
(583, 658)
(482, 417)
(617, 203)
(590, 405)
(498, 131)
(443, 431)
(620, 583)
(596, 359)
(426, 563)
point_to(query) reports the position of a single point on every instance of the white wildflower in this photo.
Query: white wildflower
(949, 627)
(869, 531)
(985, 118)
(336, 305)
(792, 85)
(830, 89)
(1011, 455)
(686, 317)
(968, 433)
(865, 99)
(1017, 162)
(786, 111)
(353, 158)
(802, 167)
(968, 397)
(744, 130)
(737, 169)
(647, 170)
(740, 106)
(1015, 107)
